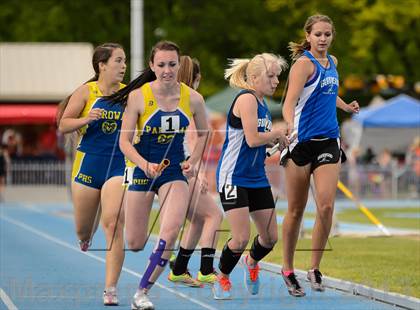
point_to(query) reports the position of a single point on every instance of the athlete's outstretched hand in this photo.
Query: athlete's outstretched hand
(353, 107)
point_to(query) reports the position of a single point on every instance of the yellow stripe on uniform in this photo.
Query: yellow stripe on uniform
(77, 164)
(184, 101)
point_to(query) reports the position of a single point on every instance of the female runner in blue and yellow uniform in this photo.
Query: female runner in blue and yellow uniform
(159, 108)
(310, 110)
(98, 167)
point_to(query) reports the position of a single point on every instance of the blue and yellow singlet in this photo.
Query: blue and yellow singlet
(162, 133)
(101, 136)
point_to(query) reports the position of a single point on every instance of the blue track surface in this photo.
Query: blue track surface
(41, 267)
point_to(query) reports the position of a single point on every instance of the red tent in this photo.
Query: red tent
(17, 114)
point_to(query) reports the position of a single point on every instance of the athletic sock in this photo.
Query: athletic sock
(207, 258)
(182, 260)
(258, 252)
(228, 259)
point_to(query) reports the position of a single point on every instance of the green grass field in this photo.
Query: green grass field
(386, 263)
(390, 217)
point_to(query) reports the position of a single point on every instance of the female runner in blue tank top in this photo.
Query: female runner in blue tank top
(98, 167)
(241, 179)
(310, 111)
(157, 114)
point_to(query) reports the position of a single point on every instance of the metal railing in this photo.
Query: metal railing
(373, 181)
(365, 181)
(45, 172)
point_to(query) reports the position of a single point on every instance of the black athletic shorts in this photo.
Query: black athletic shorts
(235, 197)
(317, 152)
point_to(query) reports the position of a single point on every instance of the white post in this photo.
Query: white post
(136, 38)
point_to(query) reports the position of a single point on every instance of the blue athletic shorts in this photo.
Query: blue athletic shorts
(141, 183)
(94, 170)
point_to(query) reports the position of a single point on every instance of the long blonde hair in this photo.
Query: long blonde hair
(240, 69)
(297, 49)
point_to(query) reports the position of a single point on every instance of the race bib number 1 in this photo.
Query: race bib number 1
(170, 123)
(128, 175)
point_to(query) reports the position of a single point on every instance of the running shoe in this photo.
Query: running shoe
(184, 278)
(315, 277)
(172, 261)
(293, 285)
(110, 297)
(84, 245)
(141, 302)
(221, 288)
(207, 278)
(251, 278)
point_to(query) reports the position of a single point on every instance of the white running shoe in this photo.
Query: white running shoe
(315, 277)
(110, 297)
(141, 302)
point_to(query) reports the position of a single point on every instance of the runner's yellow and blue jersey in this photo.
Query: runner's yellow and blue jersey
(162, 133)
(101, 136)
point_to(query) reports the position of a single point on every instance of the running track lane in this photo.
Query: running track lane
(41, 267)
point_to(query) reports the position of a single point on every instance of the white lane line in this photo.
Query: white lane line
(7, 301)
(71, 247)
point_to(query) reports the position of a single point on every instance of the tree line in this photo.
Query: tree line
(373, 36)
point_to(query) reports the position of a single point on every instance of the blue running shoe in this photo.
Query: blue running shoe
(251, 277)
(221, 288)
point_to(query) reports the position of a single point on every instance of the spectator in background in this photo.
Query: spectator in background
(413, 156)
(4, 163)
(47, 143)
(13, 141)
(381, 176)
(412, 160)
(354, 176)
(369, 156)
(385, 160)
